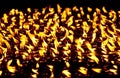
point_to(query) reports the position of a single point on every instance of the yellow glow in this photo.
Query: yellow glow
(24, 40)
(89, 9)
(81, 10)
(29, 10)
(0, 72)
(34, 75)
(58, 8)
(75, 8)
(67, 64)
(18, 63)
(5, 17)
(37, 65)
(42, 51)
(70, 21)
(94, 35)
(79, 43)
(11, 69)
(114, 71)
(104, 10)
(97, 70)
(35, 71)
(98, 10)
(33, 39)
(83, 70)
(66, 73)
(12, 12)
(51, 69)
(37, 33)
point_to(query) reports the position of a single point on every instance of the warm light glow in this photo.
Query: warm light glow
(97, 70)
(66, 73)
(56, 34)
(83, 70)
(11, 69)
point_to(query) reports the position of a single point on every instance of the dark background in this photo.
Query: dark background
(7, 5)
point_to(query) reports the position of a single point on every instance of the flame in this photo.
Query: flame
(118, 40)
(4, 51)
(92, 54)
(18, 63)
(79, 43)
(68, 11)
(11, 69)
(58, 8)
(66, 34)
(56, 43)
(105, 42)
(66, 73)
(0, 72)
(1, 52)
(35, 71)
(34, 75)
(13, 19)
(51, 69)
(88, 17)
(36, 15)
(30, 48)
(16, 11)
(105, 58)
(115, 66)
(37, 65)
(75, 8)
(98, 10)
(83, 70)
(81, 10)
(55, 51)
(15, 40)
(94, 35)
(41, 35)
(2, 40)
(42, 51)
(26, 26)
(103, 33)
(112, 48)
(85, 29)
(67, 64)
(5, 18)
(33, 39)
(78, 15)
(25, 55)
(80, 56)
(111, 32)
(71, 37)
(97, 70)
(63, 16)
(23, 40)
(104, 10)
(51, 23)
(69, 21)
(89, 9)
(12, 12)
(29, 10)
(37, 58)
(44, 44)
(43, 10)
(114, 71)
(67, 52)
(67, 46)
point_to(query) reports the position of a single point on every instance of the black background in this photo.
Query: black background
(7, 5)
